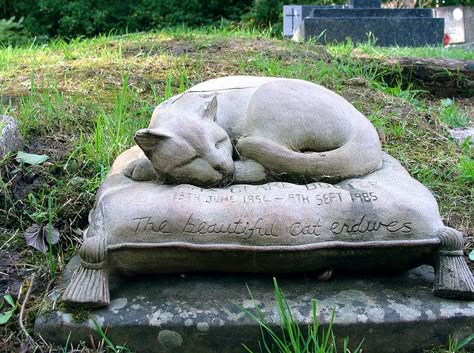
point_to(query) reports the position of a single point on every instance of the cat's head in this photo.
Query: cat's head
(194, 151)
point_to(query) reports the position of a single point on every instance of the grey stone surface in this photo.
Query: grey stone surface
(391, 27)
(251, 228)
(294, 14)
(469, 46)
(261, 174)
(453, 22)
(389, 31)
(201, 313)
(365, 3)
(461, 134)
(10, 138)
(469, 24)
(287, 126)
(368, 12)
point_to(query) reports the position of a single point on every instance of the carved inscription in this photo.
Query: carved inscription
(145, 223)
(248, 226)
(318, 194)
(363, 197)
(242, 228)
(364, 225)
(261, 227)
(299, 228)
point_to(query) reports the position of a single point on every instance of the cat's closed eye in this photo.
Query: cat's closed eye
(221, 142)
(186, 162)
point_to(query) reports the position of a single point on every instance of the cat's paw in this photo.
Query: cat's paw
(249, 171)
(140, 170)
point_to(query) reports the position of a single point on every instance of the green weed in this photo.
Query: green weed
(13, 306)
(408, 94)
(108, 343)
(455, 346)
(291, 338)
(450, 114)
(396, 129)
(466, 170)
(113, 131)
(51, 259)
(467, 146)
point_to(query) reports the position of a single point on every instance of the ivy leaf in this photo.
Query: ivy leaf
(37, 237)
(29, 158)
(471, 255)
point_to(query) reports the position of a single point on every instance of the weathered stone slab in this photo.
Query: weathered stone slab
(389, 31)
(200, 313)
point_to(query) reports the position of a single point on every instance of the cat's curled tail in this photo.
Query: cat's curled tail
(358, 156)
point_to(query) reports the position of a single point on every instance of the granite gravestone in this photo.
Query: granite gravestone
(390, 27)
(251, 174)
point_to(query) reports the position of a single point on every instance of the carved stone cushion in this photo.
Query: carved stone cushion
(383, 221)
(264, 228)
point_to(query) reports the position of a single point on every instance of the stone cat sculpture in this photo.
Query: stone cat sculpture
(254, 129)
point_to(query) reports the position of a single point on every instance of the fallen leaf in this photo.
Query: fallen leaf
(54, 235)
(37, 236)
(32, 159)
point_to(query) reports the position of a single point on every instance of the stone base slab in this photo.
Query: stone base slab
(202, 313)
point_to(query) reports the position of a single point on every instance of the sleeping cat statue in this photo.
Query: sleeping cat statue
(252, 130)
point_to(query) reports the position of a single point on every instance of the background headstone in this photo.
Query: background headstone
(365, 3)
(364, 20)
(453, 22)
(10, 138)
(293, 15)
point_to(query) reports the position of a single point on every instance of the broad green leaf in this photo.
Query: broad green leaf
(8, 298)
(471, 255)
(29, 158)
(4, 317)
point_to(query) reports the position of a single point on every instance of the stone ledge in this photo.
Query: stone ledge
(201, 312)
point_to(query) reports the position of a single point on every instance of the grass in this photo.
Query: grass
(370, 48)
(80, 103)
(424, 52)
(450, 114)
(289, 337)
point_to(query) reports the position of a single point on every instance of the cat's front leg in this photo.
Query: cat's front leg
(249, 171)
(140, 170)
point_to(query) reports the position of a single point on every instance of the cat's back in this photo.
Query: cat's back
(227, 83)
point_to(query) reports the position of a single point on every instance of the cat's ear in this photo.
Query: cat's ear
(147, 139)
(211, 110)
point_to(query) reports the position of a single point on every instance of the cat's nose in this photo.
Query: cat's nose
(220, 168)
